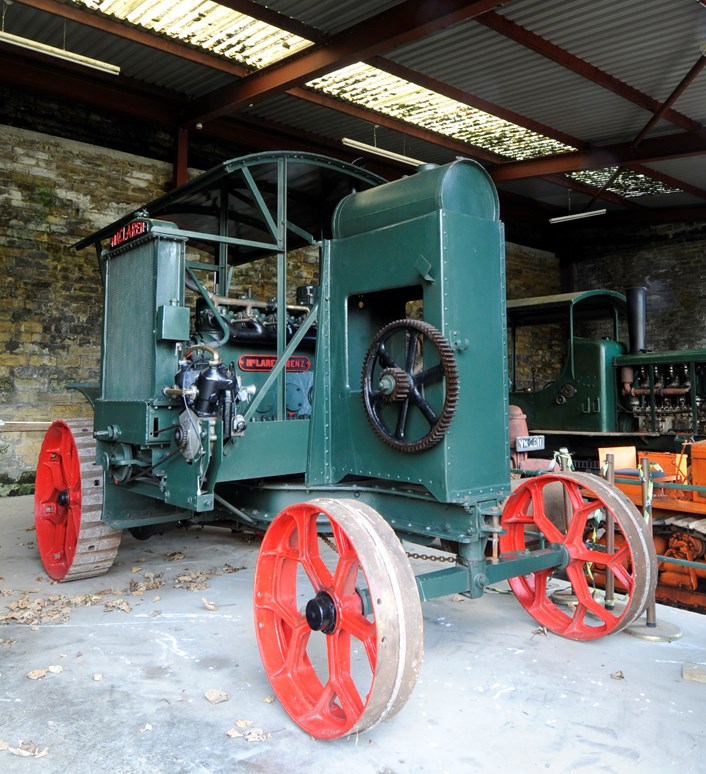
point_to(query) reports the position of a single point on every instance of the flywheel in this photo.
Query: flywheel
(68, 502)
(410, 385)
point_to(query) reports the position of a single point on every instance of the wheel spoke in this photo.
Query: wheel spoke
(579, 518)
(308, 543)
(433, 374)
(338, 647)
(424, 407)
(402, 420)
(386, 360)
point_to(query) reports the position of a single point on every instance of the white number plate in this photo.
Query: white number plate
(525, 443)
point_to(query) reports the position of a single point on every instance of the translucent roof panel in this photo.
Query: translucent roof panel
(628, 184)
(377, 90)
(208, 25)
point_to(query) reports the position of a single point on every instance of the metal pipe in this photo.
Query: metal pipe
(610, 537)
(651, 618)
(215, 356)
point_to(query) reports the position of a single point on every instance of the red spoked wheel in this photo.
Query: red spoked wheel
(572, 510)
(73, 542)
(340, 632)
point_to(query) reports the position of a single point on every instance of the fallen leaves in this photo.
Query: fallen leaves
(33, 610)
(198, 580)
(7, 643)
(208, 605)
(618, 675)
(175, 556)
(37, 674)
(25, 749)
(55, 608)
(216, 696)
(117, 604)
(151, 582)
(251, 735)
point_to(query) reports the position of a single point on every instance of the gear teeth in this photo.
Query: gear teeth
(399, 395)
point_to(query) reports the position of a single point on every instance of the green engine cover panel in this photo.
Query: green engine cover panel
(432, 238)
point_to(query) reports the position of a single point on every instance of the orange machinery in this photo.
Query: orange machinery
(678, 516)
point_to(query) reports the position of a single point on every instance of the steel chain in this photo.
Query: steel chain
(410, 554)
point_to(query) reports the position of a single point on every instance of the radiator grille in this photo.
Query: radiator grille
(129, 315)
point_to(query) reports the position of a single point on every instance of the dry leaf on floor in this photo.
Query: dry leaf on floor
(146, 727)
(4, 746)
(216, 696)
(243, 723)
(36, 674)
(618, 675)
(269, 699)
(208, 605)
(156, 598)
(7, 643)
(174, 556)
(117, 604)
(256, 735)
(28, 750)
(55, 669)
(97, 677)
(233, 733)
(227, 568)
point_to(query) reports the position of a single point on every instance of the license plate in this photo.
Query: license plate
(525, 443)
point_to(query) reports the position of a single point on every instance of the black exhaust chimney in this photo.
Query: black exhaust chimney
(636, 319)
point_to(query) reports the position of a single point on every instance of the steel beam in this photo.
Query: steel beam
(670, 146)
(560, 56)
(391, 28)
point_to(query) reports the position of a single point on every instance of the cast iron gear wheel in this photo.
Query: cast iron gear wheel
(431, 380)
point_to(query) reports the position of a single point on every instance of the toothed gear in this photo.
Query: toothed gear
(395, 390)
(399, 383)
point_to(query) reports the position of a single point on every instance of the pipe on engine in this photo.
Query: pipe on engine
(636, 298)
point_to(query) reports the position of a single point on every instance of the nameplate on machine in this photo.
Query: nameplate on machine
(296, 363)
(129, 232)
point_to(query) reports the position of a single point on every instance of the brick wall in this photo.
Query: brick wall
(54, 191)
(668, 259)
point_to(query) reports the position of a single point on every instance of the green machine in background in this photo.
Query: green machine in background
(609, 389)
(336, 419)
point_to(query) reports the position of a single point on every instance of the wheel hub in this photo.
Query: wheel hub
(321, 613)
(395, 384)
(62, 498)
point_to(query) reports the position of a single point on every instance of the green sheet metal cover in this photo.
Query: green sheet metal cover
(462, 186)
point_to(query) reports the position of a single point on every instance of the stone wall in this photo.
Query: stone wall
(669, 260)
(53, 192)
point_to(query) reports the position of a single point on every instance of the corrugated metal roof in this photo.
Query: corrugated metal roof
(648, 44)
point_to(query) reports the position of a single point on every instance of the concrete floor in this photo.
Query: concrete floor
(493, 695)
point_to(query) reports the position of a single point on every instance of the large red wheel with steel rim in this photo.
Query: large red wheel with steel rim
(68, 502)
(573, 510)
(340, 631)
